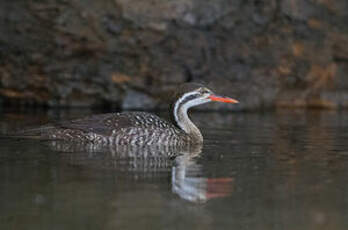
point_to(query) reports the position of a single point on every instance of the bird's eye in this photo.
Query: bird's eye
(204, 91)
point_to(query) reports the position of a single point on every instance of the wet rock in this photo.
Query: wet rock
(298, 9)
(78, 53)
(137, 100)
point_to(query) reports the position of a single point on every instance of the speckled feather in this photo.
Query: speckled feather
(135, 128)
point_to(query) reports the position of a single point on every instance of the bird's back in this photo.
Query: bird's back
(135, 128)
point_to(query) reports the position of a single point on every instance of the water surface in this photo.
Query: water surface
(279, 170)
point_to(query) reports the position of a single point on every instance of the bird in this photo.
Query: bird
(135, 128)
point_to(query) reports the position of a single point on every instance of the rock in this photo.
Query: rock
(137, 100)
(124, 53)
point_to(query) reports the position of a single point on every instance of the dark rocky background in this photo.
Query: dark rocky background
(128, 53)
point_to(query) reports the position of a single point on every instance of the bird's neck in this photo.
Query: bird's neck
(183, 121)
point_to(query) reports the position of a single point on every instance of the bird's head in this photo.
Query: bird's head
(193, 94)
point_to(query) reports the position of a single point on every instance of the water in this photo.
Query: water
(279, 170)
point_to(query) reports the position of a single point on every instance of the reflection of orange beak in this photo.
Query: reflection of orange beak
(223, 99)
(219, 187)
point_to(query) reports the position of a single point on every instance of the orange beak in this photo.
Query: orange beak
(223, 99)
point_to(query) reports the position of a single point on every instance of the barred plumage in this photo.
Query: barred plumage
(134, 128)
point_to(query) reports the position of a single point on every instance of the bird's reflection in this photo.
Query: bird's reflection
(189, 185)
(149, 161)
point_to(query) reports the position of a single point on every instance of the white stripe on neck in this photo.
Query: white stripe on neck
(185, 107)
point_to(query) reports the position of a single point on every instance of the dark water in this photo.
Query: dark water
(281, 170)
